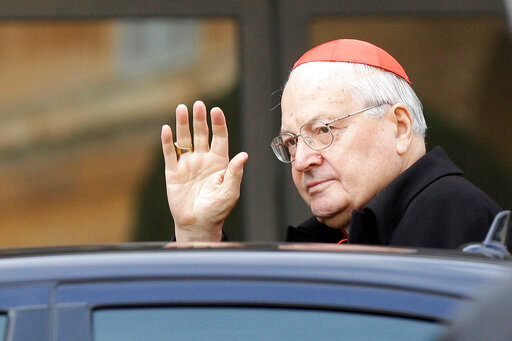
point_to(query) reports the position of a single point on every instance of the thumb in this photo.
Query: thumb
(235, 170)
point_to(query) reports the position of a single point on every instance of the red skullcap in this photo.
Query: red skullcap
(353, 51)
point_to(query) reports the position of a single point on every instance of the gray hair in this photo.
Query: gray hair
(373, 86)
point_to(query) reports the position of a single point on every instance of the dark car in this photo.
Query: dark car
(230, 291)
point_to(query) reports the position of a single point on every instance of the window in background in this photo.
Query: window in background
(81, 108)
(460, 68)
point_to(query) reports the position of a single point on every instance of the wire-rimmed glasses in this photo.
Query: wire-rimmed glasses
(316, 134)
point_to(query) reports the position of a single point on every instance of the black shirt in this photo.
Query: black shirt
(429, 205)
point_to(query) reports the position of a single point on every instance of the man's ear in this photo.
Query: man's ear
(404, 127)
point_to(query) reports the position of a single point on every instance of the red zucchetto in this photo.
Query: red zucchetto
(353, 51)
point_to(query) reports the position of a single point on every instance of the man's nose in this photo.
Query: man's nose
(305, 157)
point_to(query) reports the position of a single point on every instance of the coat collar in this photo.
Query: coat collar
(375, 223)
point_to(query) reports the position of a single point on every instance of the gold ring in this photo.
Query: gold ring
(181, 150)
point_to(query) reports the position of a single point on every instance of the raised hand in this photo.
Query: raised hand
(203, 185)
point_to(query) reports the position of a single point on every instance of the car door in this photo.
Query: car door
(245, 309)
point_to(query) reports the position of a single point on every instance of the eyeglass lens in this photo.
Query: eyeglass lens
(315, 134)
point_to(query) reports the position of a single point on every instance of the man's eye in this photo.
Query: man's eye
(290, 142)
(322, 130)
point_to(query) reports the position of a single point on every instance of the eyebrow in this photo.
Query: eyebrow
(317, 117)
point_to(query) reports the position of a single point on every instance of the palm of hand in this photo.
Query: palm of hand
(202, 185)
(196, 195)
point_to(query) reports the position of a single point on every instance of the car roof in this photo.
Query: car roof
(441, 272)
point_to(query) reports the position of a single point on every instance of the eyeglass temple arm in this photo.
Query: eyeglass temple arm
(355, 113)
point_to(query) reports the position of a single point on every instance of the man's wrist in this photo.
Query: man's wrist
(187, 234)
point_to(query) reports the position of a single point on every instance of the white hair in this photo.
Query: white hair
(371, 86)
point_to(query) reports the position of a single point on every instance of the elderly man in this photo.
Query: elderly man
(353, 133)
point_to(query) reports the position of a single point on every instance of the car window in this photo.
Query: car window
(246, 323)
(3, 325)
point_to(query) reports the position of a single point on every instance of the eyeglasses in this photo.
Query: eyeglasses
(317, 134)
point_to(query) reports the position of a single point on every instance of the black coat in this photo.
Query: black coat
(429, 205)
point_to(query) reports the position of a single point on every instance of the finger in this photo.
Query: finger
(168, 148)
(183, 138)
(234, 172)
(220, 141)
(200, 127)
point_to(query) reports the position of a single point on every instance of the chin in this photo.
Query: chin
(321, 212)
(335, 217)
(327, 206)
(325, 217)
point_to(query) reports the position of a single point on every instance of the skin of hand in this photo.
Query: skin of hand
(203, 185)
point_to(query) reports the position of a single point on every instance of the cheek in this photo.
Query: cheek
(371, 142)
(357, 157)
(373, 162)
(347, 154)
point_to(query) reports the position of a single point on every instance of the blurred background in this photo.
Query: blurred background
(85, 89)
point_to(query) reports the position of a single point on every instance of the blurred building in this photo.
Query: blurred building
(81, 107)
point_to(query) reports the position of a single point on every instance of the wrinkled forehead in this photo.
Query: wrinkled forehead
(321, 73)
(319, 90)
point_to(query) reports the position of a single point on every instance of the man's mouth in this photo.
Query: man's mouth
(317, 186)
